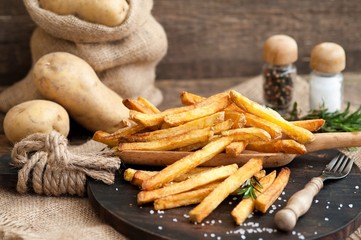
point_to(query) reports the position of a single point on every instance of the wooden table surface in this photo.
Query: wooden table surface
(204, 87)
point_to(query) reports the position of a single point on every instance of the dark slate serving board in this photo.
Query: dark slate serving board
(335, 213)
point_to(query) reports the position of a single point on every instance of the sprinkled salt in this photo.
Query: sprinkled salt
(234, 198)
(116, 189)
(326, 219)
(151, 211)
(219, 221)
(230, 203)
(203, 224)
(213, 235)
(327, 207)
(350, 205)
(160, 216)
(213, 222)
(186, 215)
(160, 227)
(357, 187)
(205, 235)
(219, 238)
(175, 220)
(316, 201)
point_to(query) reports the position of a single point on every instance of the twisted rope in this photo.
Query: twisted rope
(46, 161)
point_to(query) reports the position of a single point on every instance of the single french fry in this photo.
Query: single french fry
(112, 139)
(260, 174)
(239, 119)
(248, 134)
(140, 175)
(103, 137)
(224, 189)
(155, 118)
(312, 125)
(246, 206)
(186, 163)
(198, 180)
(299, 134)
(269, 196)
(236, 148)
(222, 126)
(148, 104)
(188, 98)
(133, 104)
(207, 107)
(129, 174)
(170, 143)
(280, 145)
(204, 122)
(254, 121)
(184, 199)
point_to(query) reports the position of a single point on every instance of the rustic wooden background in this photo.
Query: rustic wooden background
(214, 38)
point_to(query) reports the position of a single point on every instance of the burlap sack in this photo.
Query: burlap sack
(124, 57)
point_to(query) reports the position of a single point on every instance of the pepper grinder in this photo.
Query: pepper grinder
(326, 80)
(279, 72)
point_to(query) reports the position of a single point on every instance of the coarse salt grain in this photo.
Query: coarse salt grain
(327, 219)
(213, 235)
(350, 205)
(175, 220)
(160, 227)
(357, 187)
(316, 201)
(151, 211)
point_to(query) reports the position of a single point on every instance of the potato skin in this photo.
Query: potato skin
(35, 116)
(107, 12)
(70, 81)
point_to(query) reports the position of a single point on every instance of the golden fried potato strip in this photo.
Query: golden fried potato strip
(269, 196)
(170, 143)
(299, 134)
(254, 121)
(280, 145)
(236, 148)
(184, 199)
(248, 134)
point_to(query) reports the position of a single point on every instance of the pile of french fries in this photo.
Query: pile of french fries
(225, 122)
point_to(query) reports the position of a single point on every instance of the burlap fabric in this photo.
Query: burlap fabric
(124, 57)
(37, 217)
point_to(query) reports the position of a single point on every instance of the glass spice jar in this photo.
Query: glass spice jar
(279, 72)
(326, 80)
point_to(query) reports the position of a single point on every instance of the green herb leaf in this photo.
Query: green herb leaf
(249, 187)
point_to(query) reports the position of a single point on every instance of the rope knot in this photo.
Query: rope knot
(46, 161)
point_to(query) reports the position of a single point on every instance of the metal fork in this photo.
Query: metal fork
(286, 219)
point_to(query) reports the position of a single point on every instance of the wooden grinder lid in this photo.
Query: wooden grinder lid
(280, 50)
(328, 57)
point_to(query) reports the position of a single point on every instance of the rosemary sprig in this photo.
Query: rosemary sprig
(338, 121)
(249, 187)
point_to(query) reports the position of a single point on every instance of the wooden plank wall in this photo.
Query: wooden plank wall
(213, 38)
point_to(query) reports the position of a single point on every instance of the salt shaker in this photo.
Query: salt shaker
(326, 79)
(279, 72)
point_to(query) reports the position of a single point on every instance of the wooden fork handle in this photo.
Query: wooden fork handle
(298, 205)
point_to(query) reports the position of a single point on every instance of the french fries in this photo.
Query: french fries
(186, 164)
(207, 107)
(299, 134)
(184, 199)
(246, 206)
(224, 189)
(268, 197)
(198, 180)
(205, 127)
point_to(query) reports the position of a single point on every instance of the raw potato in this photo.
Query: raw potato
(106, 12)
(70, 81)
(35, 116)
